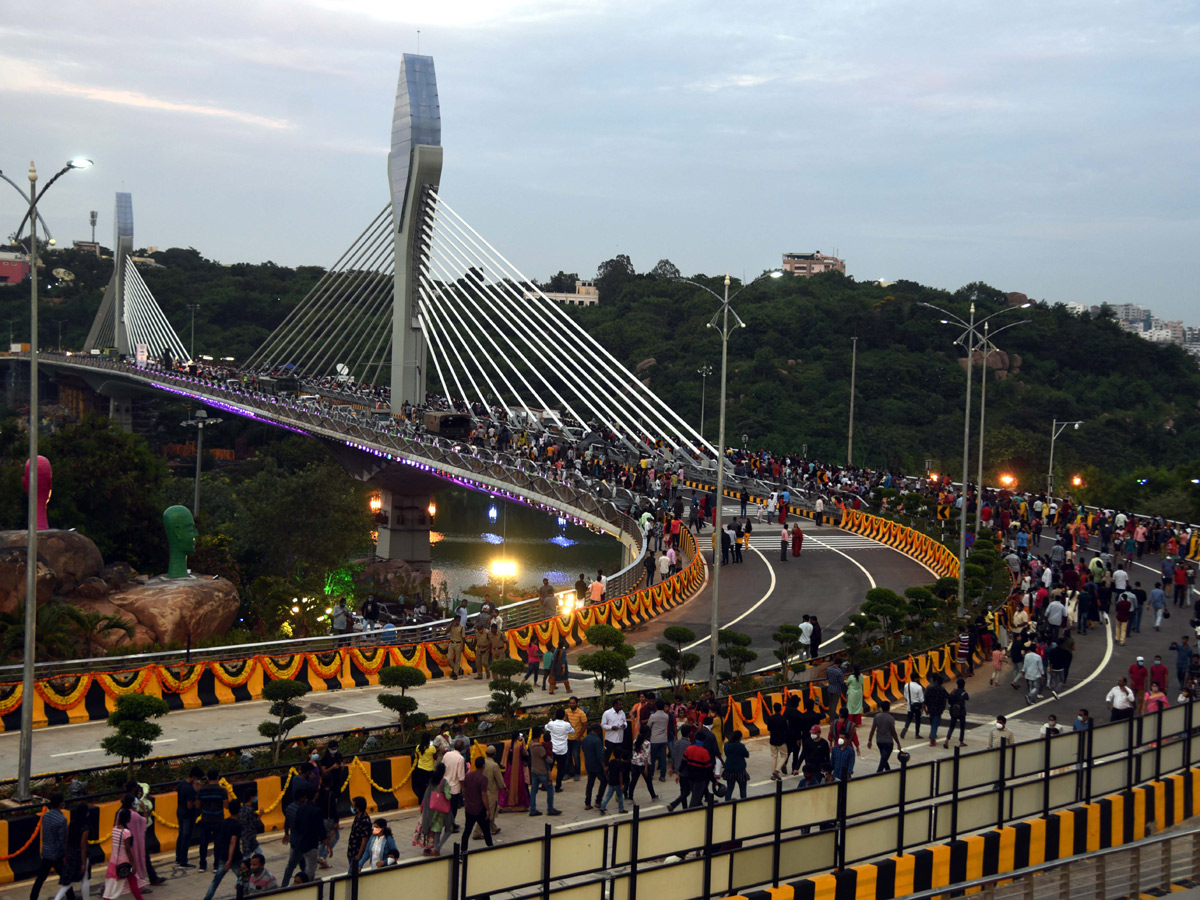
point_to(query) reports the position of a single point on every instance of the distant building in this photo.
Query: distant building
(585, 294)
(1129, 312)
(14, 267)
(87, 246)
(805, 265)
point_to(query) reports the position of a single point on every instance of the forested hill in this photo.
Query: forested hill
(789, 382)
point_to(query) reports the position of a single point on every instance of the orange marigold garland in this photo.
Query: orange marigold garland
(317, 663)
(10, 698)
(282, 668)
(234, 673)
(179, 684)
(371, 661)
(118, 684)
(73, 689)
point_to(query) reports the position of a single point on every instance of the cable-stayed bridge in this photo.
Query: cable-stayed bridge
(420, 312)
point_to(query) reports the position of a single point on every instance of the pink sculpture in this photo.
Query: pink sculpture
(45, 476)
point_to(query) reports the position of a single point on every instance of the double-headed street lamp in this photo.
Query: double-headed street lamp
(704, 371)
(973, 339)
(720, 321)
(1056, 429)
(988, 348)
(200, 421)
(25, 760)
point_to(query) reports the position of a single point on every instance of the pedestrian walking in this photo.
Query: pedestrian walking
(914, 696)
(884, 724)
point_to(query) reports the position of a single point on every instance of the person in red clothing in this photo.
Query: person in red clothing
(1179, 580)
(697, 767)
(1137, 681)
(1123, 611)
(1158, 672)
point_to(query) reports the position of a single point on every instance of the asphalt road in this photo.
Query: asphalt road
(828, 579)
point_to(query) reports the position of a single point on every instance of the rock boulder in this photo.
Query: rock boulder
(175, 610)
(12, 579)
(71, 556)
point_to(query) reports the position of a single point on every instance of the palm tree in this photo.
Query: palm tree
(54, 638)
(90, 627)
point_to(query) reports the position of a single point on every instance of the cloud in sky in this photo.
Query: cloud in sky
(1047, 149)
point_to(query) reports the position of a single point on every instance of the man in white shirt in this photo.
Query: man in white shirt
(1032, 669)
(1120, 578)
(560, 731)
(806, 630)
(914, 696)
(456, 771)
(664, 565)
(613, 723)
(1121, 701)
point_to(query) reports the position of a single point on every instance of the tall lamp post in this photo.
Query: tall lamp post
(973, 339)
(704, 371)
(853, 372)
(25, 760)
(20, 190)
(192, 349)
(988, 348)
(199, 421)
(720, 321)
(1056, 428)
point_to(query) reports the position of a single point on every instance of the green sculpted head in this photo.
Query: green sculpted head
(181, 538)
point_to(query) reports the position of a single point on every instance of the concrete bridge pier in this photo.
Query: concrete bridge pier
(405, 533)
(120, 408)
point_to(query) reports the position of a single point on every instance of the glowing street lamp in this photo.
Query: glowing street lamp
(376, 504)
(1077, 481)
(1007, 480)
(504, 569)
(432, 509)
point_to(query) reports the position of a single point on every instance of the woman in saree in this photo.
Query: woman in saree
(514, 796)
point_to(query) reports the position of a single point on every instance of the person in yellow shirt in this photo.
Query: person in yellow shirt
(577, 718)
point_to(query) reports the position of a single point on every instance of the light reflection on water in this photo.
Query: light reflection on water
(468, 540)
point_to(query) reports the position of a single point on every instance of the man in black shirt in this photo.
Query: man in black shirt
(798, 726)
(333, 776)
(211, 799)
(186, 807)
(306, 833)
(227, 848)
(777, 725)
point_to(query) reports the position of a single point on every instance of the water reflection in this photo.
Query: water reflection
(474, 529)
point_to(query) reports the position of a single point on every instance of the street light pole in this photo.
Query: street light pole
(962, 519)
(25, 752)
(972, 339)
(1056, 428)
(721, 320)
(199, 422)
(192, 350)
(704, 371)
(853, 370)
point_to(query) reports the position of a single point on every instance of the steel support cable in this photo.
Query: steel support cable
(423, 322)
(166, 332)
(343, 302)
(429, 327)
(324, 305)
(133, 315)
(437, 315)
(499, 355)
(345, 292)
(664, 411)
(519, 308)
(354, 311)
(497, 303)
(376, 319)
(525, 307)
(446, 302)
(276, 342)
(139, 322)
(384, 350)
(444, 341)
(444, 308)
(317, 289)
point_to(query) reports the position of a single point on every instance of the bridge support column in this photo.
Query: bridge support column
(406, 534)
(120, 410)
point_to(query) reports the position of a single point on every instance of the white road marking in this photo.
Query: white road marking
(708, 636)
(1108, 652)
(100, 750)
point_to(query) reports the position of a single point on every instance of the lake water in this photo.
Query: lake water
(471, 529)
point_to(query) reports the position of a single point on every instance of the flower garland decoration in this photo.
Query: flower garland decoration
(47, 689)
